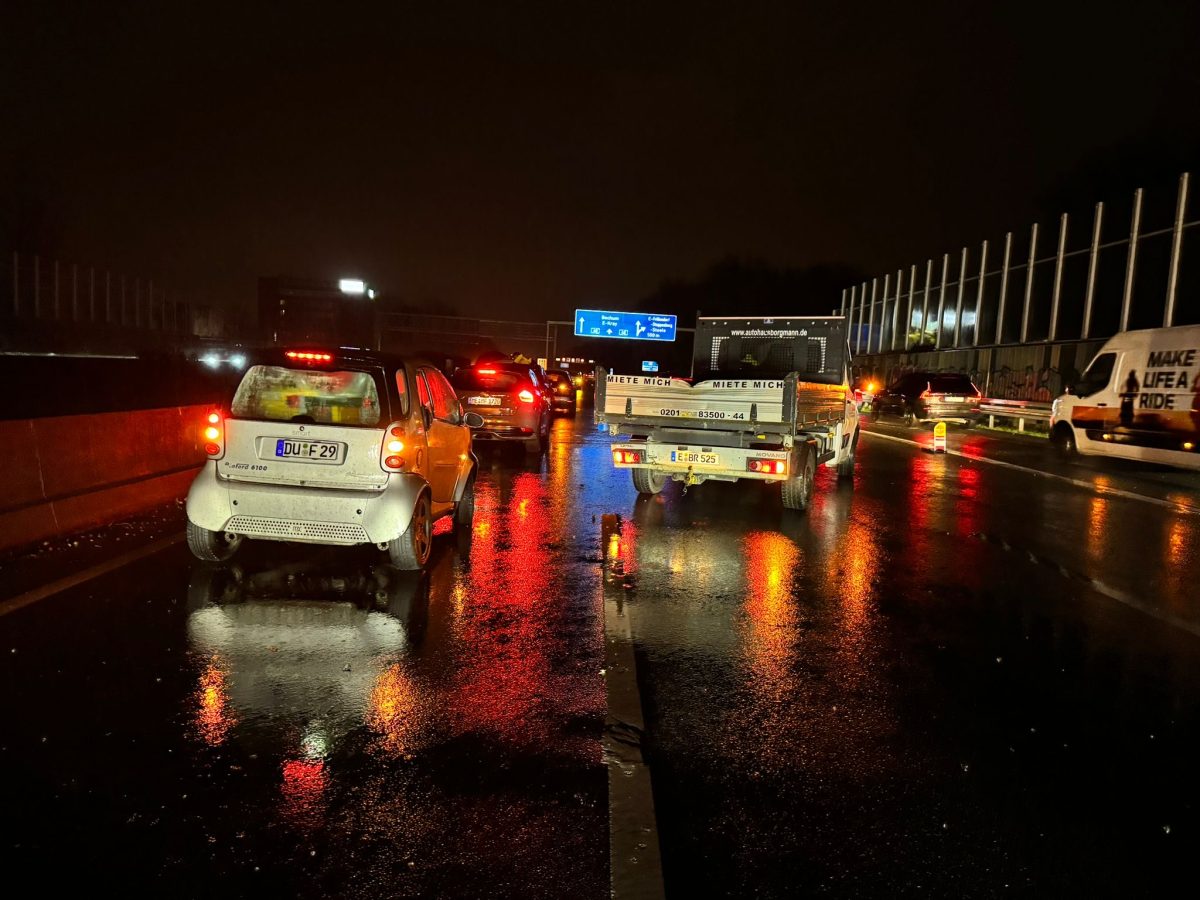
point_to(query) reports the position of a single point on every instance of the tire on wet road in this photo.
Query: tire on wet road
(647, 481)
(410, 551)
(798, 489)
(211, 546)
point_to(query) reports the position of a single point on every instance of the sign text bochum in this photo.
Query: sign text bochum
(595, 323)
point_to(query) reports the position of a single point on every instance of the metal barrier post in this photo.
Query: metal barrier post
(37, 286)
(1131, 260)
(912, 290)
(16, 283)
(896, 306)
(1029, 283)
(979, 295)
(91, 293)
(887, 280)
(1055, 296)
(962, 284)
(843, 302)
(942, 299)
(1176, 247)
(925, 302)
(1003, 288)
(74, 292)
(1093, 263)
(850, 319)
(862, 313)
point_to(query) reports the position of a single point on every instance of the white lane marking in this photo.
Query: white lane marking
(12, 604)
(1172, 505)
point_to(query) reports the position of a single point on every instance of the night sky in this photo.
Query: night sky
(519, 160)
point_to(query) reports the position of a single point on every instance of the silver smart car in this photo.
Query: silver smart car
(334, 447)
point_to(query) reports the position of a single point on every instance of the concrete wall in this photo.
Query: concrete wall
(64, 474)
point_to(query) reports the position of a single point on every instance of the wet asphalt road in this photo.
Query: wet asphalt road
(949, 678)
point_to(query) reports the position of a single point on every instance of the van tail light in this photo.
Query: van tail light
(767, 466)
(526, 396)
(391, 450)
(214, 435)
(627, 457)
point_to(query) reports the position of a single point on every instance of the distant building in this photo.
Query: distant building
(305, 310)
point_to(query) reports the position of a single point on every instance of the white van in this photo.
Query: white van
(1138, 399)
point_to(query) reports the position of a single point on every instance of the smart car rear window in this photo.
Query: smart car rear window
(276, 394)
(495, 380)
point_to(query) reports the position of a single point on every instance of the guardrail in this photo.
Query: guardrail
(1015, 409)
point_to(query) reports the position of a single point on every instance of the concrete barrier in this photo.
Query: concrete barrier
(64, 474)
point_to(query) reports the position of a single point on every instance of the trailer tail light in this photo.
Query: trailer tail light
(627, 457)
(214, 436)
(767, 466)
(526, 397)
(390, 459)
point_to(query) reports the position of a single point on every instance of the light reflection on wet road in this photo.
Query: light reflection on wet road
(911, 690)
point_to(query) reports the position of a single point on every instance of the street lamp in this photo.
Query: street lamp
(352, 286)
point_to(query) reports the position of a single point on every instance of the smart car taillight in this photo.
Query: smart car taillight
(390, 459)
(214, 436)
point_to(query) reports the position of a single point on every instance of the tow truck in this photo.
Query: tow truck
(769, 400)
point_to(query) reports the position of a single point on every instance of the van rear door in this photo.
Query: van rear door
(318, 427)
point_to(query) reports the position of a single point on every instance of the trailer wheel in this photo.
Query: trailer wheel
(647, 481)
(798, 490)
(845, 468)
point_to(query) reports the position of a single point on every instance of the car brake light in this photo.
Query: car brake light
(309, 356)
(214, 444)
(487, 371)
(389, 454)
(526, 397)
(767, 466)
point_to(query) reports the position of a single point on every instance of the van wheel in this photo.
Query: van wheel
(410, 551)
(647, 481)
(798, 490)
(845, 468)
(211, 546)
(464, 509)
(1064, 441)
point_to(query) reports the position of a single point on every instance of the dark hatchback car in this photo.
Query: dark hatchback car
(562, 392)
(929, 397)
(513, 400)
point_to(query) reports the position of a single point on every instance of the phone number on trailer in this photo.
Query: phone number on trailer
(699, 414)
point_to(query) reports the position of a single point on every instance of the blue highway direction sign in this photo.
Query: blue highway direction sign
(595, 323)
(649, 365)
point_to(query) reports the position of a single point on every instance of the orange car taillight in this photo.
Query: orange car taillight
(767, 466)
(390, 459)
(214, 436)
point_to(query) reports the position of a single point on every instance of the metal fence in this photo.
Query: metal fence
(52, 299)
(1093, 291)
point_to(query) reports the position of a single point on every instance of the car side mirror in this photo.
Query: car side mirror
(473, 420)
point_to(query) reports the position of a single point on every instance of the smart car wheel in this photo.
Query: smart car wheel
(410, 551)
(211, 546)
(464, 509)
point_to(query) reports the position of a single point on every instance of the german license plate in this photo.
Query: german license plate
(308, 451)
(695, 458)
(952, 399)
(483, 401)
